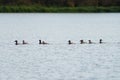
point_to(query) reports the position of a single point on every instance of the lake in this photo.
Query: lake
(58, 60)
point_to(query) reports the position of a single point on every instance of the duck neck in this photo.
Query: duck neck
(81, 41)
(90, 42)
(100, 41)
(23, 42)
(40, 42)
(69, 42)
(16, 42)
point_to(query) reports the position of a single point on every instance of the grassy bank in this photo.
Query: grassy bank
(23, 9)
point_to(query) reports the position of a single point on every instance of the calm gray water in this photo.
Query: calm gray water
(58, 60)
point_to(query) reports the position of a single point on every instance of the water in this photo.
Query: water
(58, 60)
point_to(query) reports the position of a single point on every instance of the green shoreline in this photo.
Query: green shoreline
(42, 9)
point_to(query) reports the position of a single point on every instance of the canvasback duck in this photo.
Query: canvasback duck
(100, 41)
(40, 42)
(16, 42)
(89, 41)
(23, 42)
(81, 41)
(69, 42)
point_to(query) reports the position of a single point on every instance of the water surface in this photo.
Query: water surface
(58, 60)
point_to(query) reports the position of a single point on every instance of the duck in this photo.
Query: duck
(42, 42)
(82, 42)
(100, 41)
(16, 42)
(70, 42)
(89, 41)
(23, 42)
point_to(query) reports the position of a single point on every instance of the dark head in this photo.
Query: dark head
(40, 42)
(16, 42)
(81, 41)
(69, 42)
(89, 41)
(24, 42)
(100, 41)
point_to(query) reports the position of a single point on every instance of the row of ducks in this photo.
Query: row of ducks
(69, 42)
(23, 42)
(82, 42)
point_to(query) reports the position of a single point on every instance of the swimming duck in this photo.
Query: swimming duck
(16, 42)
(69, 42)
(81, 41)
(42, 42)
(90, 42)
(23, 42)
(100, 41)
